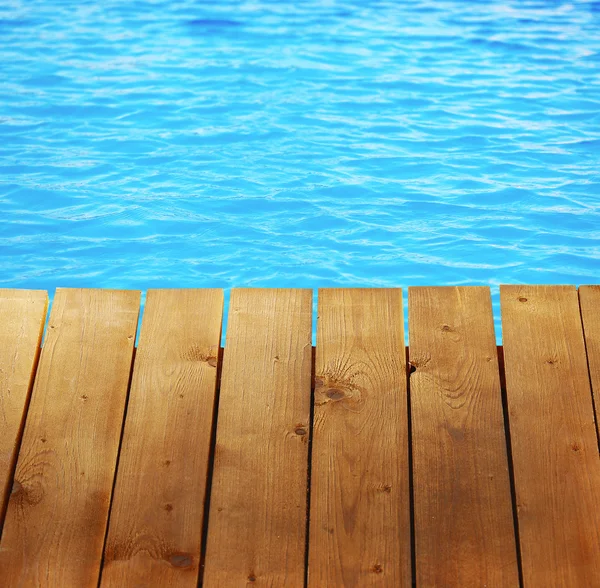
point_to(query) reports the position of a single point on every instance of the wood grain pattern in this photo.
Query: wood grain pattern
(554, 447)
(589, 301)
(56, 517)
(22, 317)
(155, 531)
(257, 524)
(360, 506)
(464, 531)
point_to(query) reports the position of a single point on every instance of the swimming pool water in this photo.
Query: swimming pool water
(309, 143)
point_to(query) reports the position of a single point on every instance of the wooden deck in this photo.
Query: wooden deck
(360, 462)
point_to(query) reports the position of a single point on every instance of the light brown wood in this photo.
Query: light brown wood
(553, 436)
(155, 529)
(589, 301)
(22, 317)
(56, 517)
(464, 530)
(360, 506)
(257, 522)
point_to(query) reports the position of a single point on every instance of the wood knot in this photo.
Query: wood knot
(30, 495)
(385, 488)
(576, 447)
(251, 577)
(336, 384)
(180, 560)
(522, 299)
(446, 328)
(300, 430)
(168, 507)
(167, 463)
(456, 433)
(377, 569)
(335, 394)
(198, 353)
(417, 363)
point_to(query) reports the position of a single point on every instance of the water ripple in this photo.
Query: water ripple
(151, 144)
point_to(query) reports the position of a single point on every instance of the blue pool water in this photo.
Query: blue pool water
(309, 143)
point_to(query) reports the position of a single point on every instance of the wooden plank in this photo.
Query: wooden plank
(360, 507)
(464, 529)
(257, 524)
(155, 530)
(56, 517)
(589, 301)
(553, 436)
(22, 317)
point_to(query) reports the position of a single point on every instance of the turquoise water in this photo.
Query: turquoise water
(343, 143)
